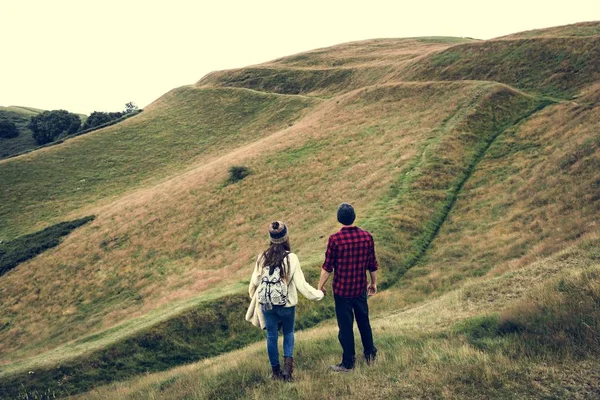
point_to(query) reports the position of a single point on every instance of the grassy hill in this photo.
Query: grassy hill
(21, 117)
(475, 164)
(24, 142)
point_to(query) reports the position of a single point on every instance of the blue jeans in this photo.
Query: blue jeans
(285, 316)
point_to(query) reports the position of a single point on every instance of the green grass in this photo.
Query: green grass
(507, 106)
(24, 141)
(286, 81)
(543, 345)
(559, 67)
(206, 330)
(62, 138)
(422, 199)
(143, 149)
(416, 158)
(23, 248)
(444, 39)
(581, 29)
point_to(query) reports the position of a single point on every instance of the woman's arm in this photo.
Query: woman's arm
(303, 287)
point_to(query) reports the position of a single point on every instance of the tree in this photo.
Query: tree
(98, 118)
(130, 107)
(47, 126)
(8, 129)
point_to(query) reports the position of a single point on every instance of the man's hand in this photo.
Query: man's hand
(323, 280)
(371, 289)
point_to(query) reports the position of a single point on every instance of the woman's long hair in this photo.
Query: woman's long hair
(273, 257)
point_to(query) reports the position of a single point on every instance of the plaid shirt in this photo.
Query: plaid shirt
(350, 252)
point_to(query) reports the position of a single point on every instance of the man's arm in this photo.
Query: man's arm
(373, 267)
(324, 277)
(328, 265)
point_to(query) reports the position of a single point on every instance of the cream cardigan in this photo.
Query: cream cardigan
(296, 282)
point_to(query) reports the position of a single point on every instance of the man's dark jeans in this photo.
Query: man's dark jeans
(346, 308)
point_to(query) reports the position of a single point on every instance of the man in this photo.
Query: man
(350, 254)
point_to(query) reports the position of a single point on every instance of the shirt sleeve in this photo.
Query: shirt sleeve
(372, 265)
(304, 287)
(330, 256)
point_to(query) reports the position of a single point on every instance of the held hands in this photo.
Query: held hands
(323, 290)
(372, 289)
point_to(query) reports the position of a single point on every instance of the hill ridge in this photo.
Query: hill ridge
(458, 168)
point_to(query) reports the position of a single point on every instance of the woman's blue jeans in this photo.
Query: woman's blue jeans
(285, 316)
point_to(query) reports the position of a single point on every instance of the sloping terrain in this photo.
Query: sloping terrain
(179, 128)
(486, 340)
(558, 67)
(20, 116)
(590, 28)
(469, 161)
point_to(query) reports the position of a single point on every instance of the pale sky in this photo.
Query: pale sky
(97, 55)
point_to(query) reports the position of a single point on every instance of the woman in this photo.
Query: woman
(276, 278)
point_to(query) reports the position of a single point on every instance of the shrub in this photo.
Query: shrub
(8, 129)
(47, 126)
(98, 118)
(25, 247)
(237, 173)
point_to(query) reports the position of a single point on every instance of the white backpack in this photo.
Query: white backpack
(272, 289)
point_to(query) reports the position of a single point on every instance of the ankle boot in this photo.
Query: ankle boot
(276, 374)
(288, 368)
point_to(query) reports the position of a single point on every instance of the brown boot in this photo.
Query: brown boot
(288, 368)
(276, 374)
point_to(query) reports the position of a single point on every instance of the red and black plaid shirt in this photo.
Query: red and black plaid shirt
(350, 252)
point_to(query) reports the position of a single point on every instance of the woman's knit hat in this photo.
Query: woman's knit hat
(278, 232)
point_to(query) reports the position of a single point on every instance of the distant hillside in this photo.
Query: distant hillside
(21, 117)
(475, 164)
(581, 29)
(22, 110)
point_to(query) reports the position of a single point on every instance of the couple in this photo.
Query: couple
(277, 276)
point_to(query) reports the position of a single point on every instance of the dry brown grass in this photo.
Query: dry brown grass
(159, 245)
(333, 70)
(169, 243)
(535, 192)
(590, 28)
(415, 361)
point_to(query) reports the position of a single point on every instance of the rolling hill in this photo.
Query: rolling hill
(475, 164)
(21, 117)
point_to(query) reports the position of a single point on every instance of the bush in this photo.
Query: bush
(8, 129)
(49, 125)
(25, 247)
(237, 173)
(98, 118)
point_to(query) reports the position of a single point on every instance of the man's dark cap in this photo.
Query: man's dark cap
(345, 214)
